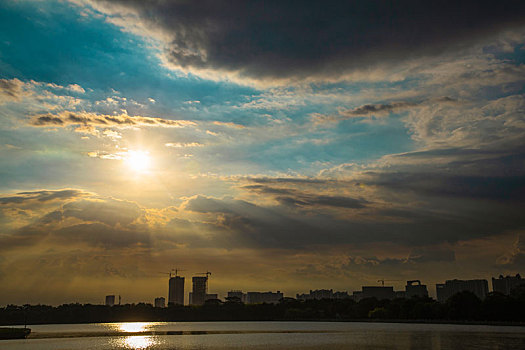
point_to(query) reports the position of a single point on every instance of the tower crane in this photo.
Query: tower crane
(171, 272)
(207, 273)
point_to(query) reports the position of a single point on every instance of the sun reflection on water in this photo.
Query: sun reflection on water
(138, 342)
(135, 341)
(133, 327)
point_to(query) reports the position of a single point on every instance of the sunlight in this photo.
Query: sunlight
(138, 161)
(138, 342)
(133, 327)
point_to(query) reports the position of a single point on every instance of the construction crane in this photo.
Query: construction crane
(177, 271)
(171, 272)
(383, 281)
(204, 273)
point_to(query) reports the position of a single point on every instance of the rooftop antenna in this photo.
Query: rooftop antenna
(383, 281)
(177, 271)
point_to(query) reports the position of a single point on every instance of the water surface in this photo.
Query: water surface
(269, 335)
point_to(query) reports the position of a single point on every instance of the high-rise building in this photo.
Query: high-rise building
(110, 300)
(200, 290)
(505, 284)
(160, 302)
(415, 289)
(176, 290)
(445, 290)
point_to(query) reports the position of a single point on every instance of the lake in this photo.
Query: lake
(269, 335)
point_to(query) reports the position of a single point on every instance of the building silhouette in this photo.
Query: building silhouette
(414, 288)
(110, 300)
(263, 297)
(237, 295)
(445, 290)
(199, 291)
(211, 296)
(319, 294)
(505, 284)
(176, 290)
(377, 292)
(160, 302)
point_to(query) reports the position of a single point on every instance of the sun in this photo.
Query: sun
(138, 161)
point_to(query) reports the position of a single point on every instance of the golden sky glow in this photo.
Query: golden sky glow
(278, 152)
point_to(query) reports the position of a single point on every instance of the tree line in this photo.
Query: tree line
(464, 306)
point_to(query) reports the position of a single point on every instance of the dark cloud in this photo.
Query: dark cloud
(102, 120)
(80, 218)
(98, 234)
(380, 109)
(292, 197)
(432, 253)
(282, 226)
(377, 109)
(41, 196)
(11, 90)
(248, 224)
(297, 38)
(509, 188)
(47, 120)
(418, 255)
(111, 212)
(417, 199)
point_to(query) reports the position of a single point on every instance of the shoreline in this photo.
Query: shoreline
(420, 321)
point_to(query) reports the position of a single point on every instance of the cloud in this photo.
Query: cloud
(229, 124)
(287, 40)
(12, 90)
(69, 217)
(86, 119)
(431, 254)
(515, 258)
(183, 144)
(377, 109)
(294, 198)
(76, 88)
(24, 198)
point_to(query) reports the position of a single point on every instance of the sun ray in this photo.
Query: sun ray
(138, 161)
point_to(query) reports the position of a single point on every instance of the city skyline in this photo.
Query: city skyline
(480, 287)
(283, 146)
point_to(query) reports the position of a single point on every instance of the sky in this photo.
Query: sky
(288, 145)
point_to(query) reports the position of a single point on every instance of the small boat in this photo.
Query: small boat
(14, 333)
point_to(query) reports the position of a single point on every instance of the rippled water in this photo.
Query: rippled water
(269, 335)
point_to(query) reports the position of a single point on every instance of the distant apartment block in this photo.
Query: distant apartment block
(400, 294)
(377, 292)
(319, 294)
(256, 297)
(237, 294)
(263, 297)
(110, 300)
(176, 290)
(414, 288)
(445, 290)
(505, 284)
(211, 296)
(160, 302)
(206, 297)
